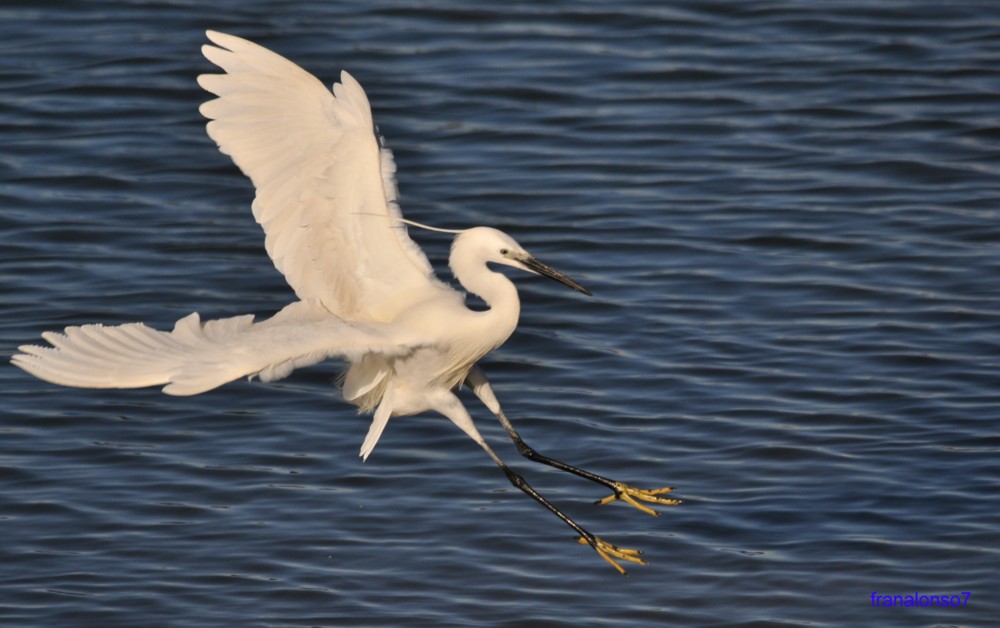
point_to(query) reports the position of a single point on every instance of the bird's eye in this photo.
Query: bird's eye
(504, 252)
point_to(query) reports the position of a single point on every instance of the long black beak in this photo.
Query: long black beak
(542, 268)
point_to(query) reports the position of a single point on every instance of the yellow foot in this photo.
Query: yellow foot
(630, 494)
(610, 552)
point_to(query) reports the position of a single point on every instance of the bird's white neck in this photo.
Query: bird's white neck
(495, 289)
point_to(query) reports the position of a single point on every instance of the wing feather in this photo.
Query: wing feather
(195, 357)
(325, 182)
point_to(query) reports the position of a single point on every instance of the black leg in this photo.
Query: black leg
(606, 550)
(620, 490)
(476, 380)
(525, 450)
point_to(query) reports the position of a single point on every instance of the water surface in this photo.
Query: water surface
(787, 212)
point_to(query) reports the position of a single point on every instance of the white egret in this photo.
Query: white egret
(326, 199)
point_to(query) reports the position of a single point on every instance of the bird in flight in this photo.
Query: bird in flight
(326, 199)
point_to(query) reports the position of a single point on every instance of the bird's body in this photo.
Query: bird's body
(326, 199)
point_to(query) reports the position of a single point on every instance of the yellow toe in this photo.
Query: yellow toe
(610, 552)
(631, 495)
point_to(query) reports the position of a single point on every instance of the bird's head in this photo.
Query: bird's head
(493, 245)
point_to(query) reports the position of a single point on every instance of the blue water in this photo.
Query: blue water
(788, 212)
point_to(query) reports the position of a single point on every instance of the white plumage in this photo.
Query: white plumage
(320, 176)
(326, 199)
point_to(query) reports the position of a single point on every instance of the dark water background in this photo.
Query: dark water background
(789, 213)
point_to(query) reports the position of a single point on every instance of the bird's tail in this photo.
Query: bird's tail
(191, 359)
(379, 421)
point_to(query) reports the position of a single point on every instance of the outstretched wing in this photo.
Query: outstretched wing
(197, 357)
(326, 190)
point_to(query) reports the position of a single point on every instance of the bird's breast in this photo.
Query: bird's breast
(453, 338)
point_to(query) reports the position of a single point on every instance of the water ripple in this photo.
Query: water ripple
(787, 212)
